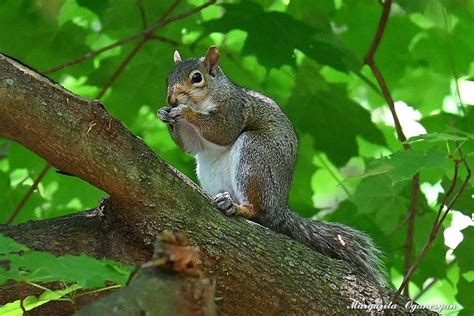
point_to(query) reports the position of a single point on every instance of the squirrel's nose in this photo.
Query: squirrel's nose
(172, 100)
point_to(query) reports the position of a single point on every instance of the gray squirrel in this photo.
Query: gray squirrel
(245, 149)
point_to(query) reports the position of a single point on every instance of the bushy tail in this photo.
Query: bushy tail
(336, 241)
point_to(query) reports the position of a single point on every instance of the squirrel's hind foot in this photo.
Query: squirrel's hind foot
(223, 201)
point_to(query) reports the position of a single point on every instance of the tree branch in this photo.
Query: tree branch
(391, 104)
(369, 57)
(370, 61)
(256, 269)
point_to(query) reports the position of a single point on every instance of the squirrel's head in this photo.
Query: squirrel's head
(192, 79)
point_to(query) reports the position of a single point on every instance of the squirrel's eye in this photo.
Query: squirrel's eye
(196, 78)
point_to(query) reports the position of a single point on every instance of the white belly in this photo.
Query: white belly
(215, 165)
(214, 168)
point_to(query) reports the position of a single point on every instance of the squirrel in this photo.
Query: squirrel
(245, 149)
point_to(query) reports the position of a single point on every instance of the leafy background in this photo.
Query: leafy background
(307, 55)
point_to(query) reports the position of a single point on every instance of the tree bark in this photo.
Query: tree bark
(257, 271)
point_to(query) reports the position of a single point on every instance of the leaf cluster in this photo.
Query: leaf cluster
(19, 263)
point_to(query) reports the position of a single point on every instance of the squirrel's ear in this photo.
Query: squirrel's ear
(212, 59)
(176, 57)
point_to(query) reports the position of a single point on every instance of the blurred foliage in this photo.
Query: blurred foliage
(74, 272)
(307, 55)
(33, 266)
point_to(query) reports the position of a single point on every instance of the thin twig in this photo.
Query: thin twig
(94, 53)
(368, 82)
(391, 104)
(121, 67)
(334, 176)
(370, 61)
(438, 222)
(112, 287)
(458, 193)
(149, 31)
(170, 9)
(450, 190)
(142, 13)
(27, 195)
(164, 39)
(369, 57)
(186, 14)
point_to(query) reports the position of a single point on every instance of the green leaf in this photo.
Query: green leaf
(54, 197)
(464, 296)
(326, 113)
(435, 88)
(436, 50)
(403, 165)
(436, 137)
(89, 272)
(8, 245)
(44, 43)
(376, 192)
(37, 266)
(463, 251)
(413, 6)
(442, 122)
(95, 6)
(277, 29)
(315, 13)
(30, 302)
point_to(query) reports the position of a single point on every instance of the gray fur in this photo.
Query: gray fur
(356, 248)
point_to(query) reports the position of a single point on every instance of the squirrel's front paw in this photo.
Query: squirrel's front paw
(171, 115)
(224, 203)
(177, 112)
(164, 115)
